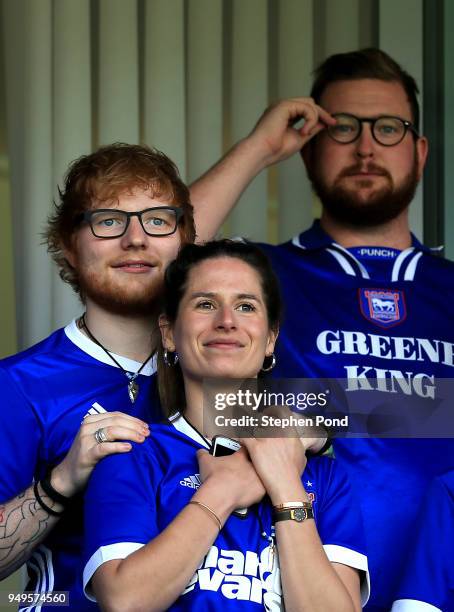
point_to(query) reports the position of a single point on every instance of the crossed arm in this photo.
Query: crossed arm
(153, 577)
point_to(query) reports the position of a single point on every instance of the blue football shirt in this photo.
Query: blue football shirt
(370, 313)
(132, 498)
(46, 392)
(428, 582)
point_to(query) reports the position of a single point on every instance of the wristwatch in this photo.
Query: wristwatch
(294, 514)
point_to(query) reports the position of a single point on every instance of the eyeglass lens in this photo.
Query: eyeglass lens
(386, 130)
(112, 223)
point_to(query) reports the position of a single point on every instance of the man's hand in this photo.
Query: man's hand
(275, 133)
(72, 473)
(273, 139)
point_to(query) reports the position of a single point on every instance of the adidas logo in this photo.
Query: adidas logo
(95, 409)
(193, 482)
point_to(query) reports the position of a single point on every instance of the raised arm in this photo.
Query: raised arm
(310, 582)
(273, 139)
(24, 522)
(153, 577)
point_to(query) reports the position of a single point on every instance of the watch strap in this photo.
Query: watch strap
(293, 514)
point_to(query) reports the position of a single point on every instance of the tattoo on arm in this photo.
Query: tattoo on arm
(23, 524)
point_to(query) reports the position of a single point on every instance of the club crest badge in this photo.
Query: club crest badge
(384, 307)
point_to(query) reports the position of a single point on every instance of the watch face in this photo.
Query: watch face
(299, 514)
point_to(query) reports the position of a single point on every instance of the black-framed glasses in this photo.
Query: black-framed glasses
(386, 130)
(113, 223)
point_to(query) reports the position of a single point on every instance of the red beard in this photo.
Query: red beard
(118, 298)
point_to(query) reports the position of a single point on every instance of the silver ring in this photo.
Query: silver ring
(100, 436)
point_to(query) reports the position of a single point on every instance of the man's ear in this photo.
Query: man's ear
(422, 149)
(166, 333)
(70, 252)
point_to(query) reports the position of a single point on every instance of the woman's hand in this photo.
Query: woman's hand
(233, 477)
(279, 462)
(72, 474)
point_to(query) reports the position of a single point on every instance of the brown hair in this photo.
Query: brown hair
(170, 378)
(368, 63)
(104, 176)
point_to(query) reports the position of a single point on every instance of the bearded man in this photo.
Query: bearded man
(365, 300)
(121, 218)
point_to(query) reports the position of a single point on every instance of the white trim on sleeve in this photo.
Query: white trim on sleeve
(352, 558)
(120, 550)
(413, 605)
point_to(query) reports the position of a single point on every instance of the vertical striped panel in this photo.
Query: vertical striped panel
(14, 54)
(72, 115)
(28, 54)
(336, 27)
(401, 35)
(8, 299)
(36, 322)
(165, 87)
(295, 60)
(341, 26)
(368, 23)
(204, 86)
(434, 122)
(248, 99)
(118, 72)
(449, 126)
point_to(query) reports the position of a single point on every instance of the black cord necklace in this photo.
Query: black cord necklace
(204, 438)
(133, 387)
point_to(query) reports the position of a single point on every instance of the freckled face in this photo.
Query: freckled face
(124, 274)
(222, 324)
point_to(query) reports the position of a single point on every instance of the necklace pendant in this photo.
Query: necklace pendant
(133, 390)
